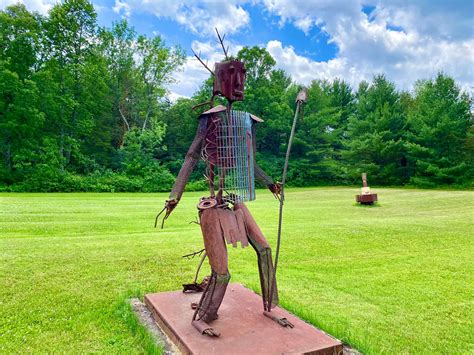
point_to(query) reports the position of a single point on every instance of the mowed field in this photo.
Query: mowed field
(398, 278)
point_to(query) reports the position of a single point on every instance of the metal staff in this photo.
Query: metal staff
(300, 100)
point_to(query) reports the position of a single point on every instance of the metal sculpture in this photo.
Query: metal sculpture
(366, 197)
(225, 140)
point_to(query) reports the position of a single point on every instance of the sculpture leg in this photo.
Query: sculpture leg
(216, 251)
(264, 255)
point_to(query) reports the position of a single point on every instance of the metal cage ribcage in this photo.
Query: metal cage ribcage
(235, 160)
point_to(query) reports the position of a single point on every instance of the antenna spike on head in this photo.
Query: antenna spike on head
(221, 41)
(200, 60)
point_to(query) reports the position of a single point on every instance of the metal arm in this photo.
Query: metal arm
(192, 157)
(261, 176)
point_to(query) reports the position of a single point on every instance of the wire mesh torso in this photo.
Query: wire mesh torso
(228, 153)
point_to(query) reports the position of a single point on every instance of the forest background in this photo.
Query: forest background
(85, 108)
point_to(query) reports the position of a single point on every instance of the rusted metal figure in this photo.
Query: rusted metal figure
(366, 197)
(225, 140)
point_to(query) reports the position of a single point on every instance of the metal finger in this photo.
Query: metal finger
(168, 212)
(158, 215)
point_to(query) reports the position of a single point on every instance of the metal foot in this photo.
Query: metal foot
(205, 329)
(194, 287)
(282, 321)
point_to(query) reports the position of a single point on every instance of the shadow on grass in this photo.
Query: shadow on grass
(374, 205)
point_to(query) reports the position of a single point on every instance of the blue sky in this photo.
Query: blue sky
(263, 27)
(310, 39)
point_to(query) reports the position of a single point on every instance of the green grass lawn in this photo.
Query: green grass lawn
(397, 278)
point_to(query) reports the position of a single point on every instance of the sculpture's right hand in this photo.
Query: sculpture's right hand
(169, 207)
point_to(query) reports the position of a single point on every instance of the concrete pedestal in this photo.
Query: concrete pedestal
(243, 327)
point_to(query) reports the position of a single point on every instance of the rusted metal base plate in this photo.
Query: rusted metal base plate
(243, 327)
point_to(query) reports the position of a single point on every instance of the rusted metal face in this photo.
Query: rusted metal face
(229, 80)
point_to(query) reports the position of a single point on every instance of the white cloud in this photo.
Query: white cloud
(304, 70)
(404, 40)
(456, 61)
(99, 8)
(199, 17)
(450, 20)
(173, 97)
(121, 7)
(41, 6)
(188, 79)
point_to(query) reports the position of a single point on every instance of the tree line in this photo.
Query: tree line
(85, 108)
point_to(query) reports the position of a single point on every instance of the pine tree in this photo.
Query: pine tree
(374, 141)
(437, 139)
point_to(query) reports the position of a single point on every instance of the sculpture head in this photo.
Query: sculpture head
(229, 80)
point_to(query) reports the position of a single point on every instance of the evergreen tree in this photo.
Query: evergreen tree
(374, 141)
(439, 123)
(319, 139)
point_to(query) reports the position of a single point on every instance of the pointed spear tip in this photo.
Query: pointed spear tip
(302, 96)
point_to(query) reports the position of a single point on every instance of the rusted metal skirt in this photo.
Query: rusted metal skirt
(233, 226)
(231, 222)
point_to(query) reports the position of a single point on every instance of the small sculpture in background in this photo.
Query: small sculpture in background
(365, 197)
